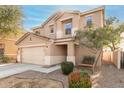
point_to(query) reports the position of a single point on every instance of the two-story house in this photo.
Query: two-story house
(52, 42)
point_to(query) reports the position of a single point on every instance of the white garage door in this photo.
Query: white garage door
(34, 55)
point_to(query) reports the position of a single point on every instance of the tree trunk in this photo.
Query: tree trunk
(113, 46)
(98, 61)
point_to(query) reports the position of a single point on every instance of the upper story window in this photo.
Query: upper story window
(68, 28)
(52, 30)
(51, 27)
(37, 32)
(89, 20)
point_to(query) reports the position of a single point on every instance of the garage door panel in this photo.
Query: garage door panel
(34, 55)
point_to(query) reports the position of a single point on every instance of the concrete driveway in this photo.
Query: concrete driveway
(11, 69)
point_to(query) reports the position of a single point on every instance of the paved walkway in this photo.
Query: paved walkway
(108, 77)
(12, 69)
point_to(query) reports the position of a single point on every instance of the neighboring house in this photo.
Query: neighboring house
(8, 48)
(52, 42)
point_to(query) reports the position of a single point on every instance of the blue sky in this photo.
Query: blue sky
(36, 15)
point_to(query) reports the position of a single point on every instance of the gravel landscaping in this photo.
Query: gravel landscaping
(14, 82)
(35, 79)
(109, 77)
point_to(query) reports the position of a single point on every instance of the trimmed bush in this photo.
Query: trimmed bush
(84, 73)
(67, 67)
(79, 80)
(4, 59)
(88, 60)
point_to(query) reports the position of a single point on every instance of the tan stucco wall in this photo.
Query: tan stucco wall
(59, 50)
(114, 57)
(10, 47)
(57, 54)
(80, 52)
(78, 22)
(42, 32)
(47, 29)
(111, 57)
(60, 24)
(97, 19)
(53, 54)
(37, 30)
(107, 56)
(34, 40)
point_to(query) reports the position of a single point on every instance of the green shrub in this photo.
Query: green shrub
(67, 67)
(84, 73)
(88, 59)
(79, 80)
(84, 84)
(4, 59)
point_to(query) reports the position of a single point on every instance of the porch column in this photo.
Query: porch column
(19, 55)
(71, 52)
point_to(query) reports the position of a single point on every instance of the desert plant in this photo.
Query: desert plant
(84, 73)
(79, 80)
(88, 59)
(4, 59)
(67, 67)
(11, 19)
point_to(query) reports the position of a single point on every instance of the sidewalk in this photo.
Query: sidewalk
(12, 69)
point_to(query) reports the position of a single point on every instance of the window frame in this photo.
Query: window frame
(51, 29)
(89, 20)
(68, 31)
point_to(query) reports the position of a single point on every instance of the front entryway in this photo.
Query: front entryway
(68, 50)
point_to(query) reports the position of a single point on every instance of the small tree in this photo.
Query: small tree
(113, 32)
(10, 20)
(97, 39)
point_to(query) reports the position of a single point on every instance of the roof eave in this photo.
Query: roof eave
(25, 35)
(93, 10)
